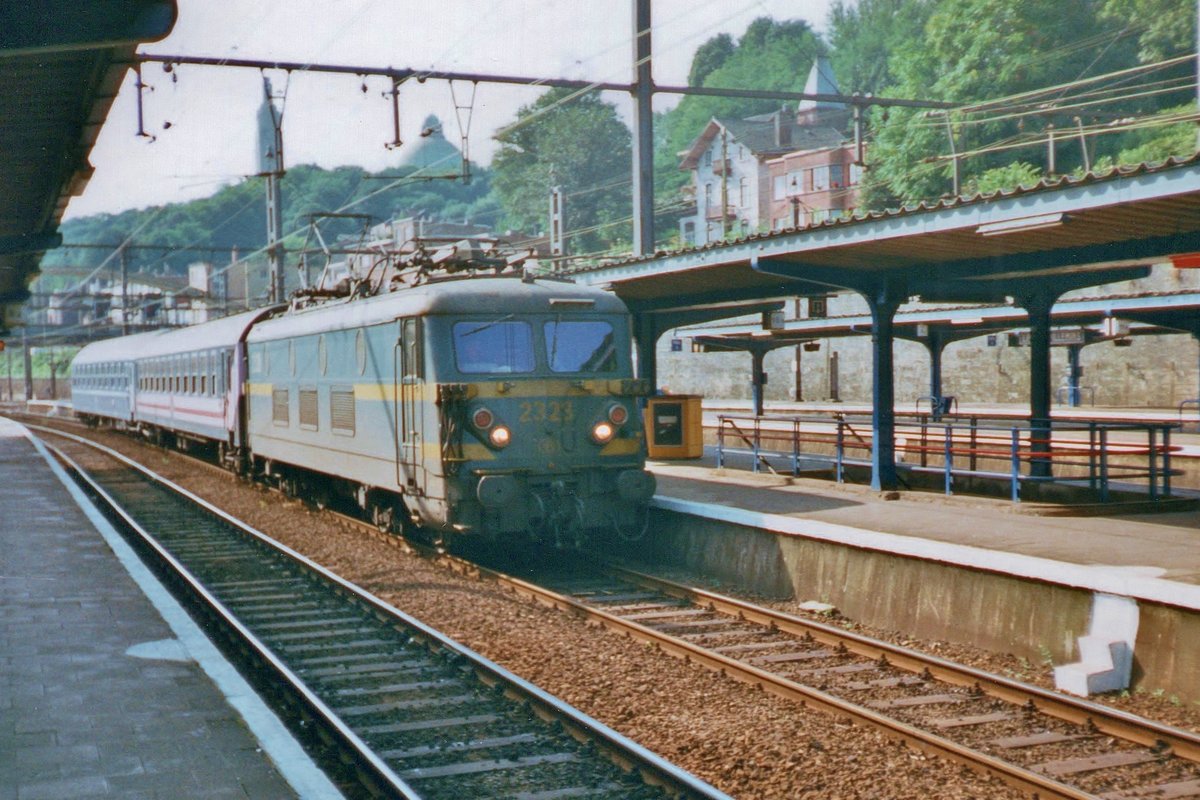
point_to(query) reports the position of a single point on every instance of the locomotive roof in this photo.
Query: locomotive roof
(468, 296)
(224, 332)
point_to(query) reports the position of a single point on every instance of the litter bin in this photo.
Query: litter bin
(674, 426)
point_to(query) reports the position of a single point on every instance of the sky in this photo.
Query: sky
(203, 118)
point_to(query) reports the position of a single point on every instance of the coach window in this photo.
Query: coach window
(322, 354)
(360, 351)
(292, 356)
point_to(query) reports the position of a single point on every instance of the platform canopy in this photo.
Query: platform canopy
(1065, 233)
(1026, 247)
(61, 64)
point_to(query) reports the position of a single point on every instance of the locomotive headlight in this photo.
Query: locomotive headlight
(500, 436)
(602, 432)
(618, 414)
(482, 419)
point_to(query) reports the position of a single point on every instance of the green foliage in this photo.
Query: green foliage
(1006, 178)
(236, 215)
(864, 35)
(1164, 28)
(982, 50)
(1159, 143)
(710, 56)
(579, 144)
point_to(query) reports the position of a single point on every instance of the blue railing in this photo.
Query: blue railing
(1073, 453)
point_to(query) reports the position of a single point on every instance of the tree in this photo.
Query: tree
(977, 50)
(710, 56)
(864, 35)
(578, 143)
(1167, 27)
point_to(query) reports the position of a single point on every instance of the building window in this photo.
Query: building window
(708, 157)
(707, 196)
(820, 179)
(744, 193)
(689, 232)
(795, 182)
(835, 176)
(779, 187)
(856, 172)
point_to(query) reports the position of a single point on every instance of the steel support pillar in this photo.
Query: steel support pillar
(758, 380)
(646, 332)
(884, 304)
(935, 344)
(1074, 373)
(1038, 305)
(643, 133)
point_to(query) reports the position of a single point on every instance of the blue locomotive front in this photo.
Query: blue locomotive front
(541, 426)
(479, 405)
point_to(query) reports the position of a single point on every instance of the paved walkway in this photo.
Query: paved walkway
(101, 695)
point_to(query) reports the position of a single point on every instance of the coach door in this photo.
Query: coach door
(410, 381)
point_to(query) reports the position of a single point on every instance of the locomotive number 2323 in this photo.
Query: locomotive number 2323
(551, 411)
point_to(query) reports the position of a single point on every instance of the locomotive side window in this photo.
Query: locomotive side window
(495, 347)
(414, 364)
(580, 346)
(360, 351)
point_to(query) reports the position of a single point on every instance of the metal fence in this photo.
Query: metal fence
(1098, 455)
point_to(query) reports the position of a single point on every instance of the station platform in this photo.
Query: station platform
(107, 687)
(966, 569)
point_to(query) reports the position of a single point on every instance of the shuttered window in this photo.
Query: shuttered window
(279, 406)
(308, 409)
(341, 410)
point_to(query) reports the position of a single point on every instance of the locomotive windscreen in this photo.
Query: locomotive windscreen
(580, 346)
(499, 346)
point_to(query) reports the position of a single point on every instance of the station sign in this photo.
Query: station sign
(1059, 337)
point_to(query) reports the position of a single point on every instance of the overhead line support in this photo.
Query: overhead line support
(402, 74)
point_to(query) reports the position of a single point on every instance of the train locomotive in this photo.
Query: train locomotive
(499, 405)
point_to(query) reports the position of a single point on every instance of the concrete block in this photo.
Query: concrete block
(1106, 652)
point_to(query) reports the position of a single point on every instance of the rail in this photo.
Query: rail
(1083, 453)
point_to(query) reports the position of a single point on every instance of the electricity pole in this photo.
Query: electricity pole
(270, 150)
(643, 133)
(28, 359)
(124, 291)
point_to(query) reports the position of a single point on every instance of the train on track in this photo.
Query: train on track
(494, 405)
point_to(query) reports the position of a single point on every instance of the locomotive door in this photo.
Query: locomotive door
(409, 423)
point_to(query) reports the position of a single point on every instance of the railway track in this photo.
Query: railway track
(1045, 744)
(415, 714)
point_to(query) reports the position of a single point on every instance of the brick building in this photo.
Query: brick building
(772, 171)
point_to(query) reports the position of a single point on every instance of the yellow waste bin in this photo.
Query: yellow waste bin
(674, 426)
